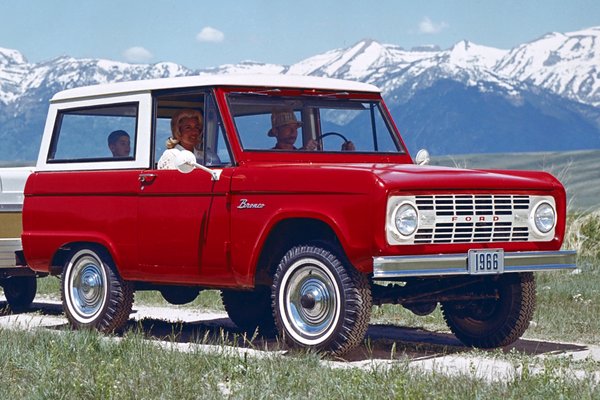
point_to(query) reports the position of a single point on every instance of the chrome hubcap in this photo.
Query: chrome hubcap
(311, 301)
(87, 286)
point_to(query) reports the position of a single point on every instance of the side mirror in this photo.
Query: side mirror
(422, 157)
(186, 162)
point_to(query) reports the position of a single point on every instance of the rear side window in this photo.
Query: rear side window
(101, 133)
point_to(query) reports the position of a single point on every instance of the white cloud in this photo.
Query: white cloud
(427, 26)
(209, 34)
(137, 54)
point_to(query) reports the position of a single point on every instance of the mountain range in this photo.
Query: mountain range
(543, 95)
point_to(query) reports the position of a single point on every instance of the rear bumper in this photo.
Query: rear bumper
(456, 264)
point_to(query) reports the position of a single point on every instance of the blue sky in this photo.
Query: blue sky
(200, 34)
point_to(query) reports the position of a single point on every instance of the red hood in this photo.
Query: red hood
(353, 178)
(415, 177)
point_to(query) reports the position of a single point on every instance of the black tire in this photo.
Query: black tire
(20, 291)
(319, 302)
(250, 311)
(93, 293)
(178, 295)
(494, 322)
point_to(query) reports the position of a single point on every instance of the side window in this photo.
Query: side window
(163, 131)
(100, 133)
(212, 148)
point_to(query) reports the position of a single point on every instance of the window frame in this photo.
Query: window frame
(208, 95)
(58, 124)
(281, 96)
(140, 146)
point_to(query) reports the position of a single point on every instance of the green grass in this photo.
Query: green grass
(73, 365)
(569, 303)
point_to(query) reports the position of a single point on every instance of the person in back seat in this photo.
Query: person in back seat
(119, 143)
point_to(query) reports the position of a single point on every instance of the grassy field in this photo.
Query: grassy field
(84, 365)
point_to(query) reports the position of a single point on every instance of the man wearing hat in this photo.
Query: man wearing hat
(284, 127)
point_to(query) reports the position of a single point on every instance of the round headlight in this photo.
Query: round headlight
(544, 217)
(406, 219)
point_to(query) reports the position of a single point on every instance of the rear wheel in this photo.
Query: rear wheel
(498, 321)
(250, 310)
(20, 291)
(93, 293)
(319, 302)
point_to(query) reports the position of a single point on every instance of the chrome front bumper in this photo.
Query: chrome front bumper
(456, 264)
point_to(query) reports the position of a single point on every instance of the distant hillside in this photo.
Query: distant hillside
(579, 171)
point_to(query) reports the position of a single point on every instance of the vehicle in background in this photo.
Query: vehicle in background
(18, 281)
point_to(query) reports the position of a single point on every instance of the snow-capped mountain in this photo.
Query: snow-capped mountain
(468, 98)
(567, 64)
(376, 63)
(13, 71)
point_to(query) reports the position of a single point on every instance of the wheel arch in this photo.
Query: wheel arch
(61, 255)
(284, 234)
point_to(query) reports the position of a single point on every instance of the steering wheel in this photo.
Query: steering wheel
(332, 134)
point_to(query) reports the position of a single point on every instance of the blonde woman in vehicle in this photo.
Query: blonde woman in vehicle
(186, 134)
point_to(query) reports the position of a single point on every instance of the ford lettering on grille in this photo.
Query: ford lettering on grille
(472, 218)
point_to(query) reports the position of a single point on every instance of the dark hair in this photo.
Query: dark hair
(115, 135)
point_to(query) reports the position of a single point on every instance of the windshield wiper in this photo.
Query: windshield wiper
(265, 92)
(330, 94)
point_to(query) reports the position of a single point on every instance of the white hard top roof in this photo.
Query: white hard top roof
(279, 81)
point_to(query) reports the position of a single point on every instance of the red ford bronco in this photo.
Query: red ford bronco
(301, 240)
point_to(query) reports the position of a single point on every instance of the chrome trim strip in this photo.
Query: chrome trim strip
(11, 207)
(456, 264)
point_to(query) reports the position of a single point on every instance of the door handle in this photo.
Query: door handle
(147, 178)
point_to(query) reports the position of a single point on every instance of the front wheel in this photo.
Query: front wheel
(319, 302)
(499, 320)
(93, 293)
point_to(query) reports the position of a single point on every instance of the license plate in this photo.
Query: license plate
(488, 261)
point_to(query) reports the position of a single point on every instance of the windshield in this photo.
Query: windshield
(310, 123)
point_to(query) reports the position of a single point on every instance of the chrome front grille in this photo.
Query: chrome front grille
(472, 218)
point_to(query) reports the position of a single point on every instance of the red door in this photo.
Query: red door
(183, 225)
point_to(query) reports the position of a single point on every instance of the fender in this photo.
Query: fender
(348, 234)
